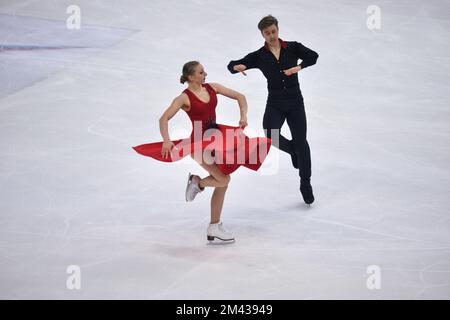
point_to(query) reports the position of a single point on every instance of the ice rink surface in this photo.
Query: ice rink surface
(72, 191)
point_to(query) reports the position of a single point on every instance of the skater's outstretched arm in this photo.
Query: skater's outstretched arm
(250, 61)
(239, 97)
(174, 107)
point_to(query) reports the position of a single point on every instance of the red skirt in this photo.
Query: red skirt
(228, 147)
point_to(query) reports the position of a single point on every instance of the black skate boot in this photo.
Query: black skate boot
(306, 190)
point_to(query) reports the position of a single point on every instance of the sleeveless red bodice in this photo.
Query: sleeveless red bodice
(203, 111)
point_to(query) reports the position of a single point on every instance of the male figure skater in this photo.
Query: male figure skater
(278, 61)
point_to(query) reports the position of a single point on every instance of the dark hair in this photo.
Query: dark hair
(188, 70)
(267, 21)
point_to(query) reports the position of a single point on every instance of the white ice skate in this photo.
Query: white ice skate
(192, 187)
(217, 231)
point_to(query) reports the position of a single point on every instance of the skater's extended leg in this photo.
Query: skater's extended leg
(217, 199)
(272, 123)
(296, 120)
(274, 119)
(220, 181)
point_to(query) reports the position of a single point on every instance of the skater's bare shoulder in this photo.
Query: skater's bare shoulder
(186, 103)
(230, 93)
(180, 102)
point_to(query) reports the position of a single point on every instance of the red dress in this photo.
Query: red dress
(228, 145)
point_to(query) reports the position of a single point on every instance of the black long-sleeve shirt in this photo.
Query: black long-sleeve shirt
(278, 84)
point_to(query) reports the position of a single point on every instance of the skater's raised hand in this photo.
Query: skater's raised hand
(167, 148)
(240, 68)
(292, 70)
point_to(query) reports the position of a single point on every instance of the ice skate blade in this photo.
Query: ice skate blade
(217, 241)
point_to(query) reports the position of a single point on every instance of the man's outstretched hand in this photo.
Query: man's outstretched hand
(240, 68)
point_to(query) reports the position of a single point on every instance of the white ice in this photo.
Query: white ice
(73, 192)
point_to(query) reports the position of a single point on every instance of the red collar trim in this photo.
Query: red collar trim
(282, 44)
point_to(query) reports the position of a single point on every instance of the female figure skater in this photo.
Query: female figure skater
(199, 101)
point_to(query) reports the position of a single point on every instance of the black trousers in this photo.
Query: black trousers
(291, 110)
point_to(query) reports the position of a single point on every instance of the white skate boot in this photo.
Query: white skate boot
(217, 231)
(192, 187)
